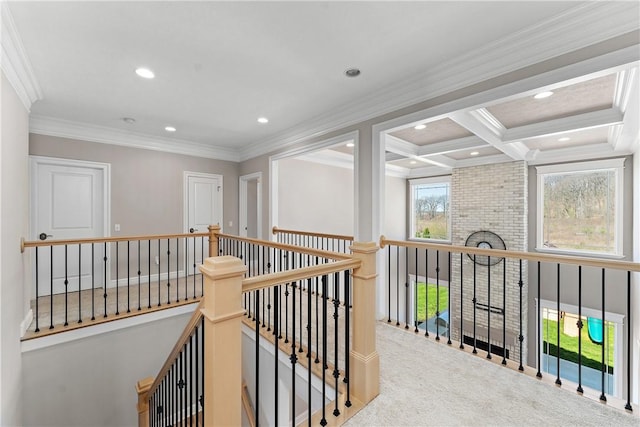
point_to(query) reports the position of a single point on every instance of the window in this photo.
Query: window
(430, 208)
(580, 207)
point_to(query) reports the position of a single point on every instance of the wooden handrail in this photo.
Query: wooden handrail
(186, 333)
(36, 243)
(272, 279)
(246, 403)
(293, 248)
(563, 259)
(276, 230)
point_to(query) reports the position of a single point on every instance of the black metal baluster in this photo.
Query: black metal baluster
(104, 295)
(286, 313)
(178, 273)
(317, 360)
(179, 390)
(579, 325)
(628, 406)
(538, 325)
(117, 279)
(139, 281)
(489, 306)
(504, 311)
(605, 339)
(190, 380)
(389, 282)
(194, 265)
(449, 301)
(257, 361)
(37, 291)
(197, 378)
(415, 295)
(558, 381)
(293, 357)
(79, 283)
(159, 284)
(397, 285)
(336, 304)
(437, 295)
(276, 329)
(347, 336)
(406, 288)
(426, 292)
(168, 271)
(461, 301)
(128, 277)
(93, 282)
(300, 349)
(149, 276)
(66, 286)
(475, 307)
(323, 421)
(201, 261)
(309, 405)
(203, 367)
(520, 336)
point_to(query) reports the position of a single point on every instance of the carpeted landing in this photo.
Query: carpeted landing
(424, 383)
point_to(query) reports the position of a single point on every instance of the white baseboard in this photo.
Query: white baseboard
(24, 325)
(145, 279)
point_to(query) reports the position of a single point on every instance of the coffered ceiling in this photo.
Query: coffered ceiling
(220, 65)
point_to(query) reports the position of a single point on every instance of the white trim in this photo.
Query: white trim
(243, 181)
(352, 136)
(185, 207)
(108, 135)
(15, 62)
(101, 328)
(569, 168)
(446, 179)
(24, 325)
(615, 318)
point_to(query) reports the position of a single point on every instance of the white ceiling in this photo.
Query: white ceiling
(221, 65)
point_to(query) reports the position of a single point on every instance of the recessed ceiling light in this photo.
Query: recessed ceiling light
(263, 120)
(420, 127)
(170, 129)
(352, 72)
(145, 73)
(350, 144)
(413, 162)
(543, 95)
(474, 153)
(128, 120)
(564, 139)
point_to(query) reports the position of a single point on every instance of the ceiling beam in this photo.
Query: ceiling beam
(591, 120)
(487, 127)
(627, 100)
(444, 147)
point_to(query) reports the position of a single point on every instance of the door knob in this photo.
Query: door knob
(43, 236)
(191, 230)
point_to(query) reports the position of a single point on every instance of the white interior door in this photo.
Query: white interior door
(203, 207)
(69, 201)
(251, 205)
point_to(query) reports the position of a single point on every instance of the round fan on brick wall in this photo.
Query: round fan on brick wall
(485, 240)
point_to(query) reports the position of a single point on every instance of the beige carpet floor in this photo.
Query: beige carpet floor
(424, 383)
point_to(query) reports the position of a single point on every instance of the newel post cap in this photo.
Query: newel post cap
(364, 247)
(222, 266)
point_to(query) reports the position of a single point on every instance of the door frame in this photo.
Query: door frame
(243, 203)
(185, 208)
(34, 162)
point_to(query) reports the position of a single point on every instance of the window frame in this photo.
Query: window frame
(617, 165)
(445, 179)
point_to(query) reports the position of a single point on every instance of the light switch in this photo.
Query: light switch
(116, 227)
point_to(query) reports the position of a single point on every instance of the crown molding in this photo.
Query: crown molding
(15, 62)
(574, 29)
(106, 135)
(571, 154)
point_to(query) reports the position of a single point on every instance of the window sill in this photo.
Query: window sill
(580, 254)
(418, 239)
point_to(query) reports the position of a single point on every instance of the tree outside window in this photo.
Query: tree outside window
(430, 208)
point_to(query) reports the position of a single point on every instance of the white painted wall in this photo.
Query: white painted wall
(14, 219)
(91, 381)
(315, 197)
(635, 294)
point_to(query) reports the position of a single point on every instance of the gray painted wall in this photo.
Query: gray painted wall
(14, 219)
(315, 197)
(91, 381)
(144, 183)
